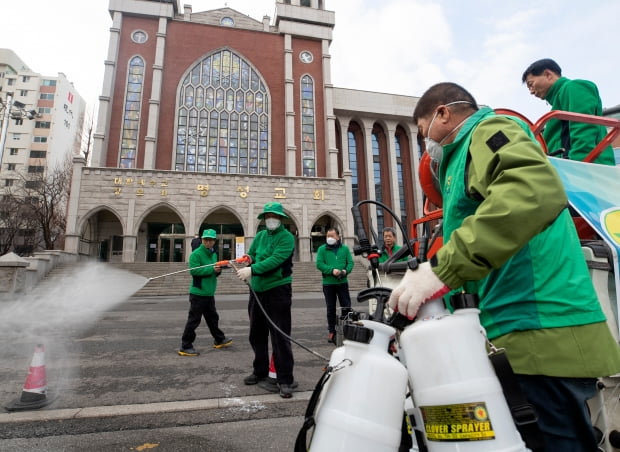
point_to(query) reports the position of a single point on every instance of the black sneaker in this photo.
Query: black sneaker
(188, 352)
(225, 343)
(252, 379)
(286, 390)
(269, 384)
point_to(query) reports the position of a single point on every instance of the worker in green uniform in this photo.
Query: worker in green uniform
(544, 80)
(201, 296)
(335, 262)
(509, 238)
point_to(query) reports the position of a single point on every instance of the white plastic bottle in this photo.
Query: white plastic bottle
(362, 404)
(454, 385)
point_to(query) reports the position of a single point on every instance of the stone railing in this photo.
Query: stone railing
(21, 274)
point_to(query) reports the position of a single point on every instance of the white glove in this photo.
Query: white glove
(245, 273)
(416, 287)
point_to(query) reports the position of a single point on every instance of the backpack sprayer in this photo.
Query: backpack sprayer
(455, 400)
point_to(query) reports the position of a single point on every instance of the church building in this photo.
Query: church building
(206, 116)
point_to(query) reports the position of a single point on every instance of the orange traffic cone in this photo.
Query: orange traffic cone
(34, 393)
(272, 369)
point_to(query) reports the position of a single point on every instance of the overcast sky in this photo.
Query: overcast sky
(392, 46)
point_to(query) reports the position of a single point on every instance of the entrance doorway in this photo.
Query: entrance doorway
(170, 248)
(165, 242)
(226, 247)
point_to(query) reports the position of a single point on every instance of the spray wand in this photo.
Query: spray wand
(239, 260)
(234, 264)
(277, 328)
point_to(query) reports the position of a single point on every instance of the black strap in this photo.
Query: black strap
(523, 413)
(301, 441)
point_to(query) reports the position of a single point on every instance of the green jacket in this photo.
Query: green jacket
(507, 233)
(385, 256)
(272, 259)
(329, 258)
(509, 238)
(578, 138)
(204, 279)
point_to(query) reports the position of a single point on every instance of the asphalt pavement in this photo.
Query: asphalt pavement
(115, 381)
(120, 372)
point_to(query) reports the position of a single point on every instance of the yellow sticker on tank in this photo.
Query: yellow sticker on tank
(461, 422)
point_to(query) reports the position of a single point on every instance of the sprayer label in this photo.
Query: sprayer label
(462, 422)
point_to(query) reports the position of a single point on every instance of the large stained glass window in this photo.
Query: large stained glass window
(308, 136)
(131, 116)
(223, 118)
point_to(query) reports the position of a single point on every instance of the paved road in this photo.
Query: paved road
(122, 372)
(276, 434)
(117, 383)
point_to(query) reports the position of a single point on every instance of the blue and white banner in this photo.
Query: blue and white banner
(594, 191)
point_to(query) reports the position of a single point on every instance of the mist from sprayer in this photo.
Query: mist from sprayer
(71, 303)
(55, 313)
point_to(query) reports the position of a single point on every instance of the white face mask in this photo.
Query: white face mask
(272, 223)
(434, 149)
(331, 241)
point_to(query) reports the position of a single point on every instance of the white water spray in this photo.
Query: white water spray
(72, 303)
(55, 313)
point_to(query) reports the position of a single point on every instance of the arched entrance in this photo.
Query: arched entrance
(228, 228)
(102, 237)
(162, 236)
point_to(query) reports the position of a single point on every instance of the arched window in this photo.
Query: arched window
(376, 169)
(401, 181)
(131, 115)
(353, 166)
(223, 118)
(308, 135)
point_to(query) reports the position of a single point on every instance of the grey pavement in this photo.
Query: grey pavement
(115, 381)
(120, 371)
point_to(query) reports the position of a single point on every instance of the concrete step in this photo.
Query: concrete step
(306, 278)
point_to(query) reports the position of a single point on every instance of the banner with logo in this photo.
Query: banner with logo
(594, 191)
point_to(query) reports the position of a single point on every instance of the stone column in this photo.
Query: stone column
(289, 91)
(150, 151)
(100, 150)
(72, 235)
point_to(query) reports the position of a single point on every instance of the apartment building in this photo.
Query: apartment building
(41, 122)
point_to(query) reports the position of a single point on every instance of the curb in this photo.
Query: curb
(150, 415)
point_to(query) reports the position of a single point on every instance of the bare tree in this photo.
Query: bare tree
(17, 225)
(43, 197)
(87, 135)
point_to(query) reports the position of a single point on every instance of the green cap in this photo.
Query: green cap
(272, 207)
(209, 234)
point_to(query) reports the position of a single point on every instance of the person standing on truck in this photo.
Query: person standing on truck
(509, 238)
(576, 140)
